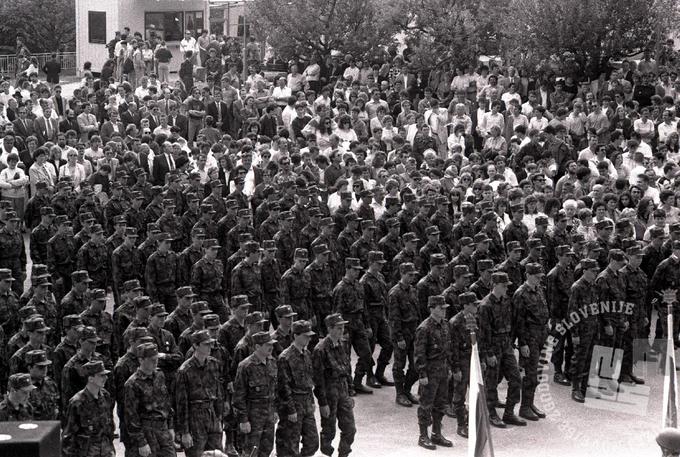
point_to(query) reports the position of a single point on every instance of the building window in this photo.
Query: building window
(169, 25)
(241, 24)
(195, 22)
(96, 27)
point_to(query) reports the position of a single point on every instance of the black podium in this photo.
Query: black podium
(30, 439)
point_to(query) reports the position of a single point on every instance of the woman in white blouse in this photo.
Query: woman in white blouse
(13, 182)
(644, 126)
(73, 169)
(42, 171)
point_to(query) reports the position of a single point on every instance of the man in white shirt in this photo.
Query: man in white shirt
(188, 44)
(373, 104)
(668, 126)
(7, 148)
(87, 122)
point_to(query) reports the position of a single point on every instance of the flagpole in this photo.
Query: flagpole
(669, 437)
(482, 410)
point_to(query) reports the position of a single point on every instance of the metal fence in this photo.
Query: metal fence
(9, 63)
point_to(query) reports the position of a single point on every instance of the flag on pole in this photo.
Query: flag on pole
(479, 429)
(670, 384)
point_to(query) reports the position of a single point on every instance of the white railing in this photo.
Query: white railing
(8, 63)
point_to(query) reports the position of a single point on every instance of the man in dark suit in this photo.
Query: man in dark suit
(45, 127)
(69, 123)
(218, 110)
(23, 127)
(154, 116)
(178, 120)
(162, 164)
(113, 125)
(131, 115)
(58, 102)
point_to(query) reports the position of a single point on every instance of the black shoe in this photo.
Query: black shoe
(402, 400)
(462, 430)
(627, 379)
(362, 389)
(577, 396)
(383, 381)
(538, 412)
(450, 411)
(373, 383)
(496, 421)
(327, 450)
(500, 404)
(424, 441)
(560, 379)
(411, 398)
(526, 413)
(512, 419)
(637, 380)
(438, 439)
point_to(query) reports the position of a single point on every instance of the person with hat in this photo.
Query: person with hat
(365, 210)
(442, 220)
(375, 297)
(154, 208)
(126, 264)
(125, 313)
(246, 276)
(118, 236)
(496, 350)
(658, 232)
(82, 236)
(296, 285)
(208, 279)
(270, 277)
(37, 336)
(345, 209)
(206, 222)
(9, 303)
(407, 212)
(286, 240)
(254, 322)
(392, 207)
(300, 210)
(461, 325)
(365, 244)
(610, 287)
(255, 396)
(16, 405)
(127, 364)
(93, 257)
(348, 300)
(75, 301)
(233, 236)
(180, 318)
(584, 332)
(61, 253)
(603, 233)
(96, 316)
(72, 378)
(409, 254)
(532, 331)
(147, 247)
(161, 273)
(189, 256)
(115, 206)
(16, 341)
(68, 346)
(135, 214)
(516, 230)
(169, 223)
(13, 251)
(191, 216)
(432, 351)
(432, 283)
(348, 235)
(312, 230)
(421, 221)
(623, 229)
(460, 284)
(403, 320)
(329, 238)
(295, 394)
(148, 407)
(390, 245)
(170, 356)
(636, 293)
(431, 247)
(88, 428)
(558, 283)
(536, 253)
(199, 398)
(283, 334)
(559, 236)
(332, 374)
(235, 258)
(496, 248)
(216, 200)
(667, 276)
(39, 199)
(232, 331)
(41, 234)
(45, 397)
(483, 285)
(270, 225)
(511, 265)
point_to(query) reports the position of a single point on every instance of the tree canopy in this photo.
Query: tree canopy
(45, 25)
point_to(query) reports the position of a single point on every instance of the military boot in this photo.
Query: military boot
(359, 388)
(510, 418)
(380, 375)
(437, 437)
(424, 439)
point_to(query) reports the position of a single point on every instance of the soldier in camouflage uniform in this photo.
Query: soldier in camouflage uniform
(532, 330)
(68, 346)
(403, 319)
(9, 304)
(636, 293)
(365, 244)
(13, 251)
(390, 245)
(255, 396)
(270, 275)
(41, 234)
(161, 273)
(189, 256)
(180, 319)
(96, 316)
(93, 258)
(295, 285)
(375, 297)
(126, 264)
(432, 353)
(408, 254)
(331, 368)
(16, 406)
(558, 283)
(198, 310)
(283, 335)
(208, 279)
(295, 394)
(246, 277)
(89, 427)
(199, 399)
(73, 376)
(432, 283)
(61, 255)
(45, 397)
(77, 299)
(148, 407)
(254, 323)
(37, 335)
(125, 313)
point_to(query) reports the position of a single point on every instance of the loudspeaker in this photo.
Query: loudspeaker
(30, 439)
